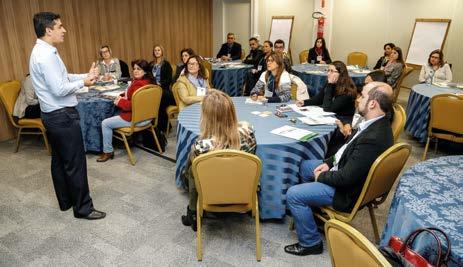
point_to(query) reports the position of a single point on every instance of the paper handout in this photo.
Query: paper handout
(294, 133)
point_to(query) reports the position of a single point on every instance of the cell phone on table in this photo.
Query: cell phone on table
(280, 115)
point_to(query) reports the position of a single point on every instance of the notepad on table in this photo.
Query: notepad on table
(250, 101)
(294, 133)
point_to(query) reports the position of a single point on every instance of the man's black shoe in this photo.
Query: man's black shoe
(94, 215)
(299, 250)
(189, 219)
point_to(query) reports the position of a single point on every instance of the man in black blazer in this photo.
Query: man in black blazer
(338, 180)
(255, 52)
(230, 50)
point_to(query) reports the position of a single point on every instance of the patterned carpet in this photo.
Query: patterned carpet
(143, 224)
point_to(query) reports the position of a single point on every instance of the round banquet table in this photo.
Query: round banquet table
(93, 109)
(315, 77)
(418, 108)
(280, 156)
(430, 194)
(229, 78)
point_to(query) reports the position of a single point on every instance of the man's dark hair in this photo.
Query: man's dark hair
(253, 39)
(42, 21)
(384, 100)
(279, 41)
(378, 76)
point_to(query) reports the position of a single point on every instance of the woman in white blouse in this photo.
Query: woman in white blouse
(436, 70)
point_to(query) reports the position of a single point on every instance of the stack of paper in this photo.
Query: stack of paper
(250, 101)
(106, 87)
(317, 120)
(314, 72)
(310, 110)
(112, 94)
(294, 133)
(82, 90)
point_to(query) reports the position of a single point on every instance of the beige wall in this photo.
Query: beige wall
(302, 29)
(300, 9)
(366, 25)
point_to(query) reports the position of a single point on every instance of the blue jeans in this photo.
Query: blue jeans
(107, 126)
(302, 197)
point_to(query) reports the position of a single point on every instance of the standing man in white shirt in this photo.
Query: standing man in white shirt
(56, 89)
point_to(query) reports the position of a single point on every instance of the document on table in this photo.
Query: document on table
(314, 72)
(294, 133)
(318, 120)
(113, 94)
(82, 90)
(250, 101)
(310, 110)
(106, 87)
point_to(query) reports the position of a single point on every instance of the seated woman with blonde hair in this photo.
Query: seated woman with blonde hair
(193, 83)
(436, 70)
(220, 129)
(275, 83)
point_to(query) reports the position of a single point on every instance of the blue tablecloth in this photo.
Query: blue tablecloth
(418, 108)
(316, 81)
(93, 109)
(229, 78)
(430, 194)
(280, 156)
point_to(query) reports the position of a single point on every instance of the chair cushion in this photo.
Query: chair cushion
(31, 123)
(127, 130)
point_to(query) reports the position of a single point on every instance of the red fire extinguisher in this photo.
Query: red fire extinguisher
(321, 24)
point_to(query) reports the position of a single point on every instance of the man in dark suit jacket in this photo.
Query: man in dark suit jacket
(255, 53)
(230, 50)
(338, 181)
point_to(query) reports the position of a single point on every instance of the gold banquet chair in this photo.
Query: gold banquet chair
(348, 247)
(405, 72)
(445, 119)
(381, 177)
(145, 106)
(398, 121)
(208, 67)
(304, 56)
(172, 110)
(357, 58)
(9, 92)
(226, 181)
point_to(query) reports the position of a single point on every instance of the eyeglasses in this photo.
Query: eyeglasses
(435, 57)
(104, 51)
(193, 64)
(332, 71)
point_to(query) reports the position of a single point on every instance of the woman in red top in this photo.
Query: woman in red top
(141, 76)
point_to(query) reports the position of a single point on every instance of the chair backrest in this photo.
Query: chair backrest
(382, 175)
(303, 56)
(446, 113)
(293, 91)
(124, 69)
(9, 92)
(398, 121)
(226, 177)
(174, 69)
(405, 72)
(243, 54)
(208, 67)
(175, 93)
(145, 104)
(357, 58)
(348, 247)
